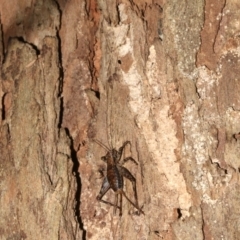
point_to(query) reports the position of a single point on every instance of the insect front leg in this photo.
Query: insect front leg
(129, 176)
(104, 158)
(123, 146)
(102, 172)
(105, 187)
(120, 150)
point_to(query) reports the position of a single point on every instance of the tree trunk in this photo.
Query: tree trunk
(81, 77)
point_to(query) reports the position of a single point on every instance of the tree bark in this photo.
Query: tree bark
(163, 75)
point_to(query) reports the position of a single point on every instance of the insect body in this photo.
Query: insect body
(114, 178)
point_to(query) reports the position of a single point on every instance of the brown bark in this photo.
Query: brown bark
(161, 74)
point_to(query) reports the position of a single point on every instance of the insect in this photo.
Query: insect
(115, 175)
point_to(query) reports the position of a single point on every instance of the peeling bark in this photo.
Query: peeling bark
(162, 74)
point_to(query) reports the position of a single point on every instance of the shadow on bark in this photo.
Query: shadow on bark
(79, 185)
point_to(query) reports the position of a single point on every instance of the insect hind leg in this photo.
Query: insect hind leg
(119, 192)
(105, 187)
(130, 177)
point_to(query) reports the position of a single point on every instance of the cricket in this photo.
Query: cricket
(114, 178)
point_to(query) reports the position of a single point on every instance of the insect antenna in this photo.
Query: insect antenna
(110, 110)
(101, 144)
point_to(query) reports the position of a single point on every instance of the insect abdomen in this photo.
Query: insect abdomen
(114, 178)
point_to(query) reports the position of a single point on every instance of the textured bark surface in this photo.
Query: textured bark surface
(37, 184)
(161, 74)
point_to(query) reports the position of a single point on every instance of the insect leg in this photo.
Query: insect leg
(115, 203)
(129, 176)
(120, 150)
(118, 192)
(120, 211)
(105, 187)
(123, 146)
(104, 158)
(131, 159)
(101, 171)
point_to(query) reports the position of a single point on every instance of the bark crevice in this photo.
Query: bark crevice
(76, 173)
